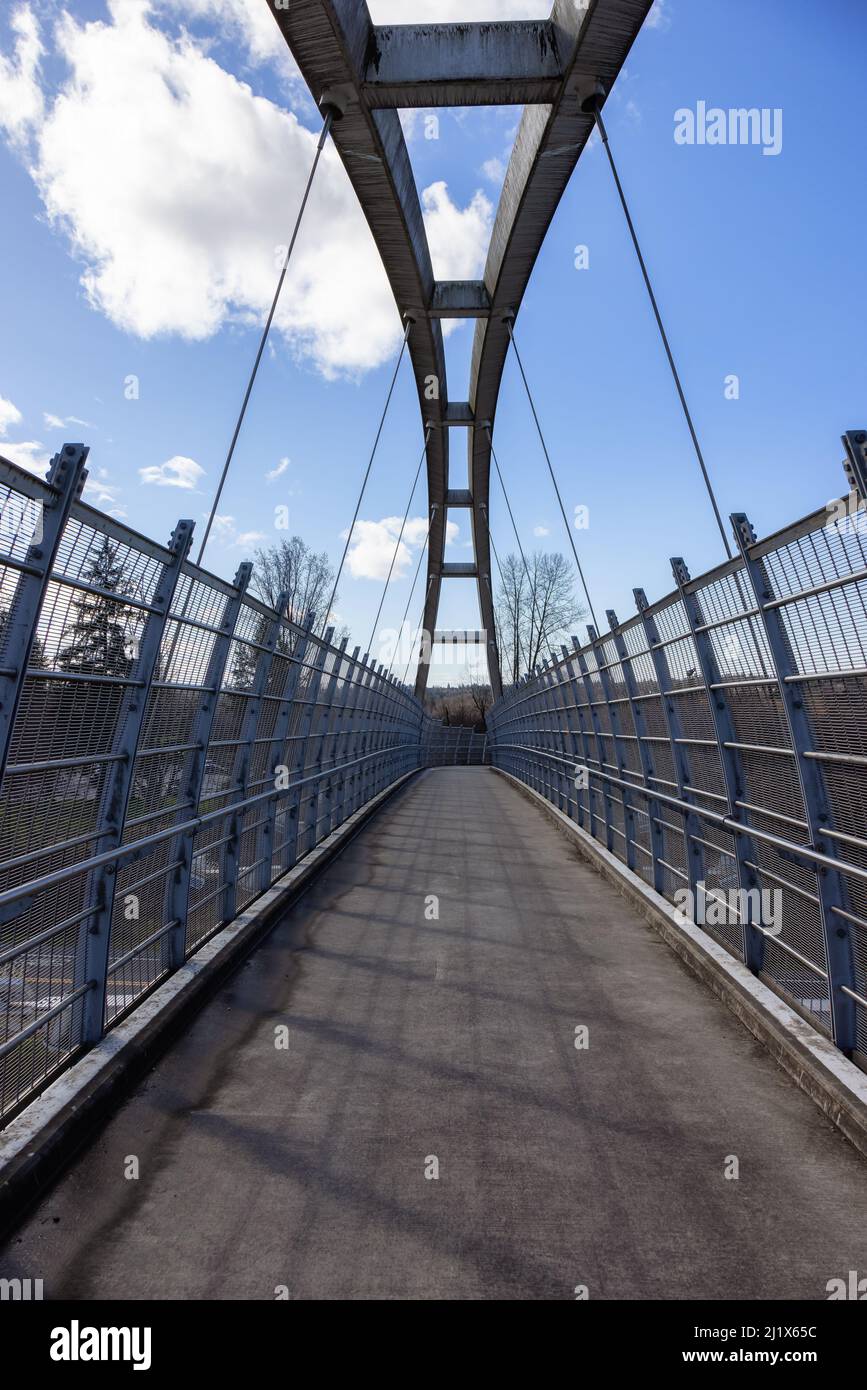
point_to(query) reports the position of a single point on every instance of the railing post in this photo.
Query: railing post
(833, 898)
(299, 764)
(365, 676)
(66, 478)
(345, 739)
(278, 744)
(95, 937)
(580, 746)
(693, 849)
(255, 704)
(178, 889)
(554, 772)
(359, 706)
(639, 724)
(380, 732)
(734, 779)
(600, 747)
(328, 713)
(618, 739)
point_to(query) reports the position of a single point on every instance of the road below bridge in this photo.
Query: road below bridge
(416, 1044)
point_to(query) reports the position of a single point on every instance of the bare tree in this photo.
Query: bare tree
(535, 609)
(479, 692)
(291, 566)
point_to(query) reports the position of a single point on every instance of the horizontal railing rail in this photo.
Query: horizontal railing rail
(170, 746)
(715, 743)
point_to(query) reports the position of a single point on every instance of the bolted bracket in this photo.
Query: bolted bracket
(743, 530)
(334, 101)
(591, 93)
(855, 462)
(679, 570)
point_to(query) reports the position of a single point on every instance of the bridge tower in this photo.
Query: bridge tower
(370, 72)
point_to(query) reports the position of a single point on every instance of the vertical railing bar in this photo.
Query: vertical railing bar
(692, 830)
(279, 754)
(600, 749)
(302, 742)
(580, 745)
(837, 932)
(94, 947)
(629, 812)
(734, 776)
(255, 703)
(178, 887)
(66, 478)
(639, 724)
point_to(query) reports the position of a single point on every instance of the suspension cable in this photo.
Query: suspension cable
(433, 511)
(400, 538)
(508, 323)
(597, 113)
(331, 113)
(517, 538)
(503, 582)
(329, 120)
(412, 646)
(409, 323)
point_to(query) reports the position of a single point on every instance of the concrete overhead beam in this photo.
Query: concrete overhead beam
(460, 639)
(459, 415)
(459, 497)
(500, 64)
(460, 299)
(458, 571)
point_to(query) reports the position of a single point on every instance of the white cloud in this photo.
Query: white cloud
(29, 454)
(458, 238)
(222, 528)
(494, 169)
(277, 472)
(175, 186)
(541, 531)
(225, 532)
(659, 17)
(175, 472)
(373, 544)
(21, 101)
(251, 24)
(57, 422)
(99, 490)
(9, 415)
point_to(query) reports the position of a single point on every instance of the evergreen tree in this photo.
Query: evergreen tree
(97, 641)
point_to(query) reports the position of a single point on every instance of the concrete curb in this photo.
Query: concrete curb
(832, 1082)
(42, 1140)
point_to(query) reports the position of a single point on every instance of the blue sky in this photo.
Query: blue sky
(149, 173)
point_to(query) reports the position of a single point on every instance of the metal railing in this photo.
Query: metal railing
(716, 743)
(169, 747)
(454, 745)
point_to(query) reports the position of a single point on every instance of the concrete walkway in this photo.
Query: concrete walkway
(453, 1039)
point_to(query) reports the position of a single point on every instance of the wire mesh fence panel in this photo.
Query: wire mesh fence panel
(157, 753)
(454, 745)
(716, 745)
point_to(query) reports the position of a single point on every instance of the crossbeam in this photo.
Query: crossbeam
(460, 299)
(460, 639)
(513, 63)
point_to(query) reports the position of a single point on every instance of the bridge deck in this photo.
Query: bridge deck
(410, 1038)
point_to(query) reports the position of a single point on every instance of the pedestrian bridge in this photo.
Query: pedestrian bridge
(402, 1010)
(388, 1101)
